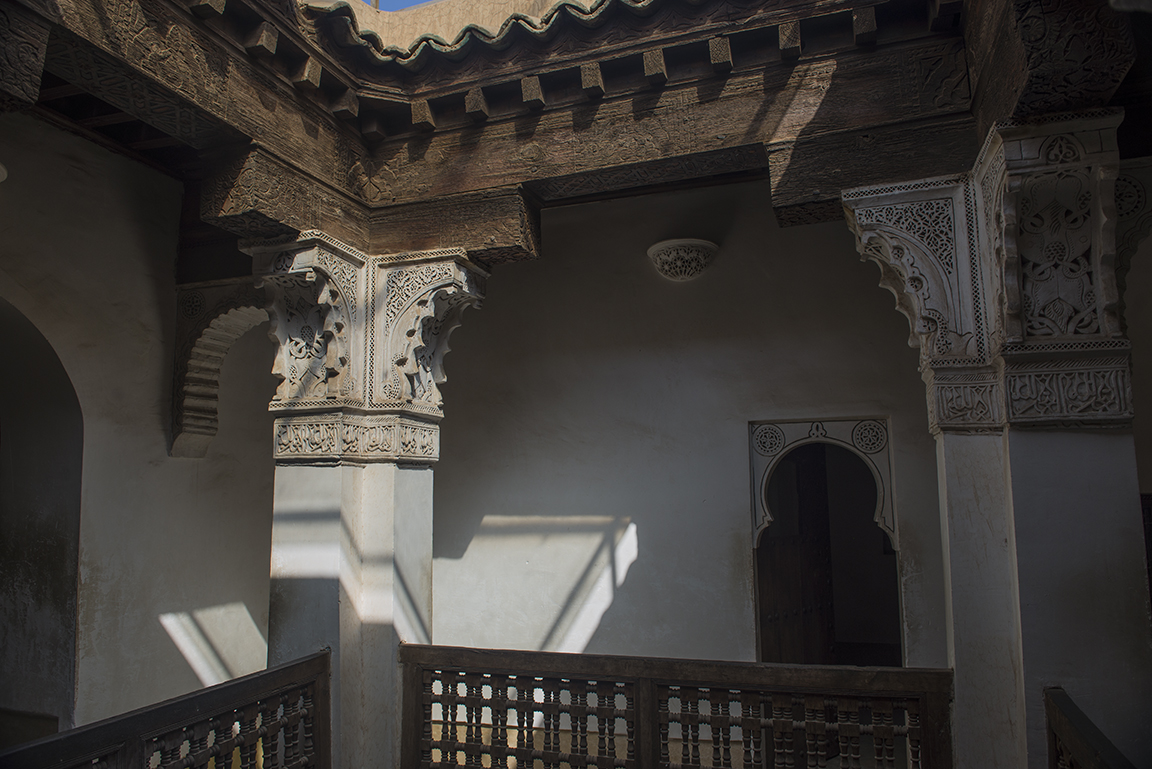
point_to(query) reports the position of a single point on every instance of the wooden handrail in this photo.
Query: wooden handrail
(433, 674)
(1074, 742)
(127, 741)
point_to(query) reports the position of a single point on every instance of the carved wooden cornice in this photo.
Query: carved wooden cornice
(23, 41)
(1034, 57)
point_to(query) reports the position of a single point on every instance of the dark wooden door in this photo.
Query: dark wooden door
(794, 571)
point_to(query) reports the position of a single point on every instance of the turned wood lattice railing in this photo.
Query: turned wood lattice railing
(529, 710)
(1074, 742)
(274, 719)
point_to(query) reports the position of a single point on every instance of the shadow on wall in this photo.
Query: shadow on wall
(41, 449)
(219, 642)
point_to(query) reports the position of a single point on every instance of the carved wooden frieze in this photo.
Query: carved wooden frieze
(255, 195)
(867, 438)
(493, 227)
(210, 317)
(23, 42)
(702, 165)
(83, 64)
(1077, 54)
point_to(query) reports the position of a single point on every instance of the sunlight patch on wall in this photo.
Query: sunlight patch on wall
(601, 594)
(218, 642)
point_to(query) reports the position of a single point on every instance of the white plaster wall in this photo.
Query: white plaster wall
(593, 491)
(87, 253)
(1084, 605)
(1138, 313)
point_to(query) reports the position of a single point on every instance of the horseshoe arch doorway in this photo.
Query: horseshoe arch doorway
(827, 591)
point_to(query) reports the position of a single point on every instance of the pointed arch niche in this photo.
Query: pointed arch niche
(41, 450)
(824, 542)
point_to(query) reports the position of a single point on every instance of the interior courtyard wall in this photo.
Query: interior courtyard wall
(87, 254)
(593, 492)
(1138, 314)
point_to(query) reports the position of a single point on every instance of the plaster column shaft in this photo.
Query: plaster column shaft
(1084, 607)
(351, 571)
(984, 640)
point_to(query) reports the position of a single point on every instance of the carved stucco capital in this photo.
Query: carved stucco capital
(1008, 275)
(419, 301)
(361, 342)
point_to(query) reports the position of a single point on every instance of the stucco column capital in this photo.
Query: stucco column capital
(361, 345)
(1008, 275)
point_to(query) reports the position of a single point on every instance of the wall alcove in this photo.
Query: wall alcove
(827, 587)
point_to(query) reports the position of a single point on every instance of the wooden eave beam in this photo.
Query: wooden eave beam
(769, 106)
(204, 97)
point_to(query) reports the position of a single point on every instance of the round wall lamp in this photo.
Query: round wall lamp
(682, 259)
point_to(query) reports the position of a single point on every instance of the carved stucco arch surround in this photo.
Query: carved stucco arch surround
(866, 438)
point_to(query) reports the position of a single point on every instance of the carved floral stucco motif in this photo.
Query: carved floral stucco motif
(1055, 246)
(423, 304)
(308, 323)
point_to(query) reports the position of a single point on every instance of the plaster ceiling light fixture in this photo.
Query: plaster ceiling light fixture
(682, 259)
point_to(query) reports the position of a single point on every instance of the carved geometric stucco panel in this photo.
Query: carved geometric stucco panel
(867, 438)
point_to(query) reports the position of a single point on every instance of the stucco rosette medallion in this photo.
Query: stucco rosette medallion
(683, 259)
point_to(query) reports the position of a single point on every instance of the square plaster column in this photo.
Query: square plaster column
(361, 347)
